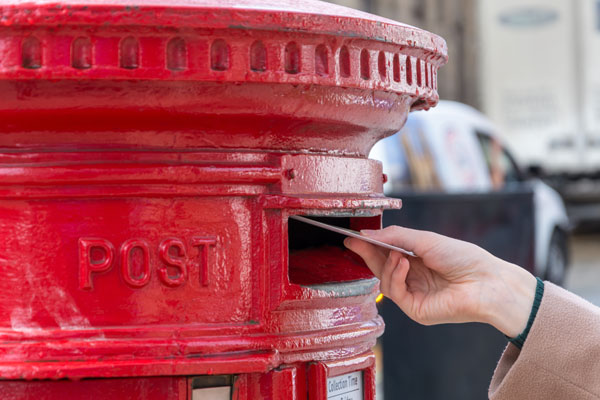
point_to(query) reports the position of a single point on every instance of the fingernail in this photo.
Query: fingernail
(368, 232)
(346, 241)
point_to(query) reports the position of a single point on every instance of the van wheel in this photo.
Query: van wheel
(556, 265)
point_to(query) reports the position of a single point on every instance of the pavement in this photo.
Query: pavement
(583, 277)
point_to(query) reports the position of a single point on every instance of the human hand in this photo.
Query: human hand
(450, 281)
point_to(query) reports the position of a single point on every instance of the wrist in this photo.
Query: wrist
(512, 294)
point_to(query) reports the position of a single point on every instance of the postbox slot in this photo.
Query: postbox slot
(318, 256)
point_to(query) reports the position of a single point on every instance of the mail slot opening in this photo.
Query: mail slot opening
(318, 256)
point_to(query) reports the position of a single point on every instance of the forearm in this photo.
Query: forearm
(509, 297)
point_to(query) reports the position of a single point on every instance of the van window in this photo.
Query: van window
(502, 168)
(407, 160)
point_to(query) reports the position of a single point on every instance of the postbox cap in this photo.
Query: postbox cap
(291, 15)
(352, 72)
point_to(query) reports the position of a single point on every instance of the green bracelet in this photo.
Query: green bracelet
(539, 292)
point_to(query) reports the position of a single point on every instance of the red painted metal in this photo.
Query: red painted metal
(150, 155)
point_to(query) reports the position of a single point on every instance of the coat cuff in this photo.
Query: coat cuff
(559, 358)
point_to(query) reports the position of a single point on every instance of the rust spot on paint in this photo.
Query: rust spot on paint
(290, 174)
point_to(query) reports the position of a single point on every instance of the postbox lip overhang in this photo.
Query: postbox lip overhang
(314, 17)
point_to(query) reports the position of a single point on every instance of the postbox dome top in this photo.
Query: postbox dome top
(292, 15)
(331, 78)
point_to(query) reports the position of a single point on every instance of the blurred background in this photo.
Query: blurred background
(510, 160)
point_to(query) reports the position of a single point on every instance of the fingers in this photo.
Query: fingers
(392, 270)
(409, 239)
(396, 287)
(398, 279)
(373, 256)
(386, 275)
(393, 277)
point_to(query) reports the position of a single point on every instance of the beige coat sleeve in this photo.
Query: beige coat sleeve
(561, 355)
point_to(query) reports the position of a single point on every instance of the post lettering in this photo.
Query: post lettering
(173, 265)
(176, 261)
(88, 263)
(126, 263)
(203, 243)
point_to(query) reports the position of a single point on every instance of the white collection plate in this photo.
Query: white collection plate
(346, 387)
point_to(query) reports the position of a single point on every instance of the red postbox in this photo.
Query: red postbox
(151, 154)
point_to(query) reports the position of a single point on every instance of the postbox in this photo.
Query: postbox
(151, 153)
